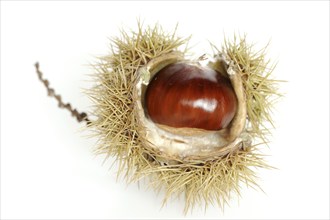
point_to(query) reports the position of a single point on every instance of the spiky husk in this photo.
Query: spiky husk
(201, 182)
(260, 89)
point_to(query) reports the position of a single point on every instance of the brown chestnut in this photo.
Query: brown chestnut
(187, 95)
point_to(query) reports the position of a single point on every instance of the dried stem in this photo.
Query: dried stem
(51, 92)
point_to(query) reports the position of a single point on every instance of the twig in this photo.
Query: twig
(51, 92)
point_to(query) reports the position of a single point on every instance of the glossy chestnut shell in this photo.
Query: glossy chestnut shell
(187, 95)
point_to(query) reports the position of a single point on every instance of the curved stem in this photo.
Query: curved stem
(51, 92)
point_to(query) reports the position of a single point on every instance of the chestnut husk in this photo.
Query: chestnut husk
(209, 170)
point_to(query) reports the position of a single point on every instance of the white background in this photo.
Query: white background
(48, 169)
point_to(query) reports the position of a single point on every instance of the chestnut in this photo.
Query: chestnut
(188, 95)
